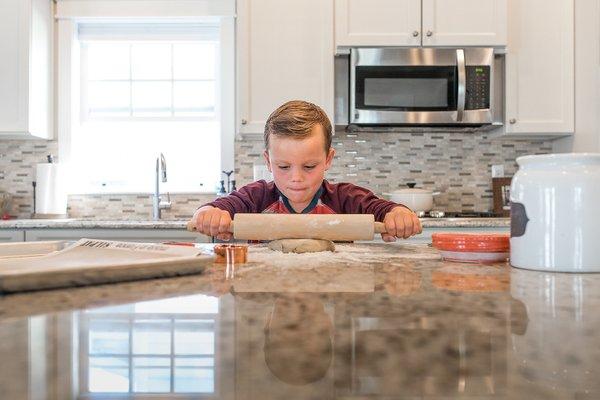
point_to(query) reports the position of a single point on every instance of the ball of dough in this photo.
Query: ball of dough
(301, 245)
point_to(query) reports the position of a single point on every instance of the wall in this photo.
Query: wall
(17, 171)
(17, 163)
(456, 164)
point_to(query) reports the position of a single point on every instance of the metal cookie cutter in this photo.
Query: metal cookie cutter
(231, 254)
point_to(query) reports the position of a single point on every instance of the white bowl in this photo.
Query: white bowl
(413, 198)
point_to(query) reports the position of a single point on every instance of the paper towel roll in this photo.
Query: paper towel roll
(51, 194)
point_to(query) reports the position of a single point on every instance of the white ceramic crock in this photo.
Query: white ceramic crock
(413, 198)
(555, 214)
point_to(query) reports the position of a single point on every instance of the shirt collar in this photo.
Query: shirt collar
(313, 203)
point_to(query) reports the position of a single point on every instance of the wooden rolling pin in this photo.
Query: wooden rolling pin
(339, 227)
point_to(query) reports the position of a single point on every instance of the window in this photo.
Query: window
(148, 79)
(146, 89)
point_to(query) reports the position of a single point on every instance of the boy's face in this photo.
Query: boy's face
(298, 165)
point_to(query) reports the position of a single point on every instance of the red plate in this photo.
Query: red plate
(471, 242)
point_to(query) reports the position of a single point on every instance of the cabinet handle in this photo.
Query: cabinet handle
(429, 33)
(416, 33)
(512, 121)
(244, 122)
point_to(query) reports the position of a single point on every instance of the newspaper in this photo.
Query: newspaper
(97, 252)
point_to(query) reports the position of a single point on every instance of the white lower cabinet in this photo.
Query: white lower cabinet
(12, 235)
(129, 235)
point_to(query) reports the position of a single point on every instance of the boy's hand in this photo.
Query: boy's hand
(213, 222)
(400, 222)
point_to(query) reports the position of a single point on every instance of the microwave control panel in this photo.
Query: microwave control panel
(477, 94)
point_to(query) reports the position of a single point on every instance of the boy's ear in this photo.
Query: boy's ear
(329, 158)
(267, 160)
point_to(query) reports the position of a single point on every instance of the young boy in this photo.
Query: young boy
(298, 152)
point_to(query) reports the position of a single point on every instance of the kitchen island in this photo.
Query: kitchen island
(389, 321)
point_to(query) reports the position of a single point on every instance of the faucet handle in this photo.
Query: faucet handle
(221, 190)
(163, 167)
(165, 205)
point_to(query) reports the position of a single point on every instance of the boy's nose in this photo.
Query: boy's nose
(297, 175)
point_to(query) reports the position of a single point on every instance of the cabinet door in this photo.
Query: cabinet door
(14, 35)
(10, 235)
(378, 22)
(26, 70)
(464, 22)
(540, 67)
(285, 52)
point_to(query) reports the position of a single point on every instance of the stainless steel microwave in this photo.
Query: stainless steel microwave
(425, 87)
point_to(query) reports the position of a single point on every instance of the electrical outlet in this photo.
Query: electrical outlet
(497, 171)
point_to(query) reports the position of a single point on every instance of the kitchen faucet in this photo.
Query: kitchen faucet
(157, 204)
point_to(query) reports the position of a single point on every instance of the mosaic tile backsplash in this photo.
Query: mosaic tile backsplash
(458, 165)
(455, 164)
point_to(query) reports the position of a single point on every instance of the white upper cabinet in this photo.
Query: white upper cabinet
(285, 52)
(378, 22)
(26, 69)
(420, 22)
(464, 22)
(540, 77)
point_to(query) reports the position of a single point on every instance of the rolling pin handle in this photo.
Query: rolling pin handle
(379, 227)
(192, 227)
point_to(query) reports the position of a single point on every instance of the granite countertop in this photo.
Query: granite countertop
(378, 321)
(181, 224)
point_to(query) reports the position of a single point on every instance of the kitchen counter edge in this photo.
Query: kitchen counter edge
(181, 224)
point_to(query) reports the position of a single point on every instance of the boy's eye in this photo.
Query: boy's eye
(309, 166)
(284, 167)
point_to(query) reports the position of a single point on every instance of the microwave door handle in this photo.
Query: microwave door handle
(460, 63)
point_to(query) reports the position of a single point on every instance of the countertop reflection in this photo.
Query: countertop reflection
(371, 321)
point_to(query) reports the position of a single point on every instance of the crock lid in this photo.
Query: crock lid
(412, 191)
(471, 242)
(560, 159)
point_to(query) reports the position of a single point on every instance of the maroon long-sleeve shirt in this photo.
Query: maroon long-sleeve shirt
(331, 198)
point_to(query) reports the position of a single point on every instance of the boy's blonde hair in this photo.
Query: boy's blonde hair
(296, 119)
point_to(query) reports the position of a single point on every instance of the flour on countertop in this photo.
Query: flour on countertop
(344, 254)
